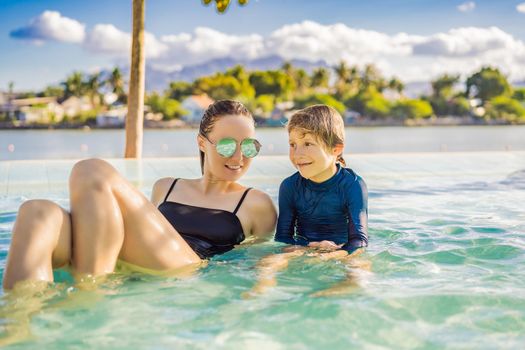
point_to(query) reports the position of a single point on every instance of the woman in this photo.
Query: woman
(187, 220)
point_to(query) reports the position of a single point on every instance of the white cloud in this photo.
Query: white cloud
(521, 7)
(467, 6)
(467, 41)
(107, 39)
(206, 44)
(51, 25)
(410, 57)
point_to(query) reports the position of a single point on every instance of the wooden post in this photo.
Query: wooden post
(134, 119)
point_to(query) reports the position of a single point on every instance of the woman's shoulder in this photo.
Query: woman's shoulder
(258, 198)
(160, 188)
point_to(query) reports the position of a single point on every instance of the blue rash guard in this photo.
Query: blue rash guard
(334, 210)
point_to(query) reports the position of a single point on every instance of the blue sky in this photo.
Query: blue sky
(439, 36)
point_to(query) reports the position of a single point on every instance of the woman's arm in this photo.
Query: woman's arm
(286, 222)
(263, 213)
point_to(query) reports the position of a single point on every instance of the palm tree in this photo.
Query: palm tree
(396, 85)
(320, 78)
(116, 82)
(343, 75)
(92, 87)
(74, 85)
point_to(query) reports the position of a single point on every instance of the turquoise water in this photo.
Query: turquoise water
(446, 256)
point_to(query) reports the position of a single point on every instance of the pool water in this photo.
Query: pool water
(446, 257)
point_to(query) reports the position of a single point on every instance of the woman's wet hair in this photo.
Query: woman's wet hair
(323, 122)
(216, 110)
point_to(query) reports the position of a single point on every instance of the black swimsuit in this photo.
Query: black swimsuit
(207, 231)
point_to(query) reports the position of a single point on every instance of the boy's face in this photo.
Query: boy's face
(311, 157)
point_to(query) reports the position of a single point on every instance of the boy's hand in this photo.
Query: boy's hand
(325, 245)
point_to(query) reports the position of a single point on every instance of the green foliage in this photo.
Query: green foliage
(272, 82)
(170, 108)
(443, 86)
(52, 91)
(487, 83)
(305, 101)
(179, 90)
(222, 5)
(519, 94)
(233, 84)
(508, 109)
(460, 106)
(370, 103)
(265, 102)
(320, 78)
(377, 107)
(412, 109)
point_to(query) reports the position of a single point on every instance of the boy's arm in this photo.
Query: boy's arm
(358, 216)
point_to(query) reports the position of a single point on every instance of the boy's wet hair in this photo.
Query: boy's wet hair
(216, 110)
(323, 122)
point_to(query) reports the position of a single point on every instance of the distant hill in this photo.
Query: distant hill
(157, 80)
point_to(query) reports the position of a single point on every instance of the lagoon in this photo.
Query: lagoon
(75, 144)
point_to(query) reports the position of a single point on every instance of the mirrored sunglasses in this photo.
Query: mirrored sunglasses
(227, 147)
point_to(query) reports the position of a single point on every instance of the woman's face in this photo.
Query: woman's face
(233, 168)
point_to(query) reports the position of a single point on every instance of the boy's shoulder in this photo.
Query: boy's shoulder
(351, 178)
(291, 181)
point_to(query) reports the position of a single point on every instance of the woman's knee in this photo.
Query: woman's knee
(40, 210)
(36, 218)
(91, 174)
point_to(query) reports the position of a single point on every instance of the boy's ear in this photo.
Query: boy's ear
(338, 149)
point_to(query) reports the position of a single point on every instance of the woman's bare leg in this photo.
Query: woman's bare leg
(112, 219)
(41, 241)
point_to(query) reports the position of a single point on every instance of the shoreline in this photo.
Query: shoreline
(447, 121)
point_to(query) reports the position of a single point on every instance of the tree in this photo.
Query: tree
(371, 76)
(272, 82)
(487, 83)
(443, 86)
(412, 109)
(92, 87)
(505, 108)
(179, 90)
(218, 86)
(74, 85)
(396, 85)
(343, 74)
(170, 108)
(519, 94)
(116, 83)
(305, 101)
(320, 78)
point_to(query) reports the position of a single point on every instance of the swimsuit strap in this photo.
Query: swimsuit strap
(242, 199)
(171, 188)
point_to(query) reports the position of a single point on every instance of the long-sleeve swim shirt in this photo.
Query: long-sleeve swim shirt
(334, 210)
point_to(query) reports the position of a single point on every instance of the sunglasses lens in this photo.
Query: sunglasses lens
(250, 147)
(226, 147)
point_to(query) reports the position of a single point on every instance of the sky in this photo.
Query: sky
(42, 41)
